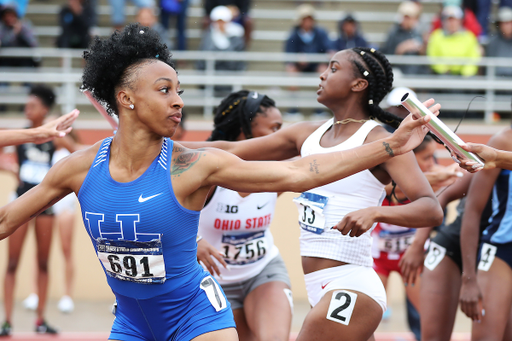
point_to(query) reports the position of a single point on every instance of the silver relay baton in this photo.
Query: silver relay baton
(438, 128)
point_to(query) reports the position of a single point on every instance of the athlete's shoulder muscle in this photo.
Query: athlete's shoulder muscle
(72, 170)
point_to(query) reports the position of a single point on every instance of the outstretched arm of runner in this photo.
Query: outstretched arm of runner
(281, 145)
(64, 177)
(56, 128)
(309, 172)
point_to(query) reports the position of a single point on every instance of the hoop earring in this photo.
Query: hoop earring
(132, 106)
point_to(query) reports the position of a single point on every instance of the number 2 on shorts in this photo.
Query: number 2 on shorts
(341, 306)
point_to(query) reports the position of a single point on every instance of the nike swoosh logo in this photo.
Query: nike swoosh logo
(255, 96)
(141, 199)
(323, 286)
(260, 207)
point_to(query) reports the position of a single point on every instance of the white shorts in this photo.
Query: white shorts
(349, 277)
(68, 203)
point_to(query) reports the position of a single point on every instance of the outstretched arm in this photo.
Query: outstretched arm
(63, 178)
(285, 143)
(56, 128)
(315, 170)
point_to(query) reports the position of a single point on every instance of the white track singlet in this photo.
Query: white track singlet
(239, 228)
(333, 201)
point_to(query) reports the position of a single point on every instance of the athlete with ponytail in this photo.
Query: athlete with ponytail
(234, 229)
(346, 295)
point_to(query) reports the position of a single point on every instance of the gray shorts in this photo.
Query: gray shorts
(275, 271)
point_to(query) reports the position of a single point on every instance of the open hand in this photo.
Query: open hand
(56, 128)
(206, 254)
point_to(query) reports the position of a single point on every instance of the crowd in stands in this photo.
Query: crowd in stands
(462, 28)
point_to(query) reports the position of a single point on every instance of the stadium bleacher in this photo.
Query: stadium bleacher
(265, 71)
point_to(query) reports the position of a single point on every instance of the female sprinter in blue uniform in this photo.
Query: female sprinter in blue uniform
(141, 193)
(485, 294)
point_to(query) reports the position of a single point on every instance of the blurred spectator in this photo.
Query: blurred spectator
(349, 35)
(469, 20)
(500, 45)
(240, 15)
(15, 32)
(453, 41)
(307, 37)
(146, 17)
(482, 10)
(405, 37)
(177, 9)
(117, 8)
(21, 6)
(76, 20)
(223, 35)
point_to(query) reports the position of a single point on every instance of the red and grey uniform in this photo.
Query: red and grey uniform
(390, 243)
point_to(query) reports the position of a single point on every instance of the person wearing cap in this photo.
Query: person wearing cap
(500, 44)
(307, 37)
(405, 38)
(349, 34)
(223, 35)
(469, 18)
(15, 32)
(240, 11)
(453, 41)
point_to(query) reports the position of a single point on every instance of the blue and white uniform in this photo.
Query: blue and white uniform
(146, 243)
(497, 237)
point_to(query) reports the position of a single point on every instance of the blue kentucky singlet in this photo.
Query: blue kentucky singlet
(499, 230)
(144, 239)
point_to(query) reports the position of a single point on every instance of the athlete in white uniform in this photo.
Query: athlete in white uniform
(347, 295)
(326, 206)
(234, 228)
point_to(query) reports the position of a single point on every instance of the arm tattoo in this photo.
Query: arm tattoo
(177, 149)
(313, 167)
(185, 161)
(388, 149)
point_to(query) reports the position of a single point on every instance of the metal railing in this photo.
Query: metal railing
(68, 78)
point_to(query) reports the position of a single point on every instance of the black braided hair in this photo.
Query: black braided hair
(373, 66)
(231, 116)
(116, 61)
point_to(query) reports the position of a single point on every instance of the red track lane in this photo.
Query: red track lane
(104, 336)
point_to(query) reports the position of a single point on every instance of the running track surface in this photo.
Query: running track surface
(104, 336)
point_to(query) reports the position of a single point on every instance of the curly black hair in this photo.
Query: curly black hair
(233, 115)
(44, 93)
(115, 61)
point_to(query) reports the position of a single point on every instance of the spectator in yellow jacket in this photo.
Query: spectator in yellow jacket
(452, 40)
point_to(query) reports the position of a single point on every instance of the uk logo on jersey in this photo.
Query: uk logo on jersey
(126, 228)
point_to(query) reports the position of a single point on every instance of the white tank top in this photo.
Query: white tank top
(350, 194)
(239, 228)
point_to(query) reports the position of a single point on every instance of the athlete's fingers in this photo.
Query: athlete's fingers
(214, 267)
(345, 225)
(480, 309)
(220, 259)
